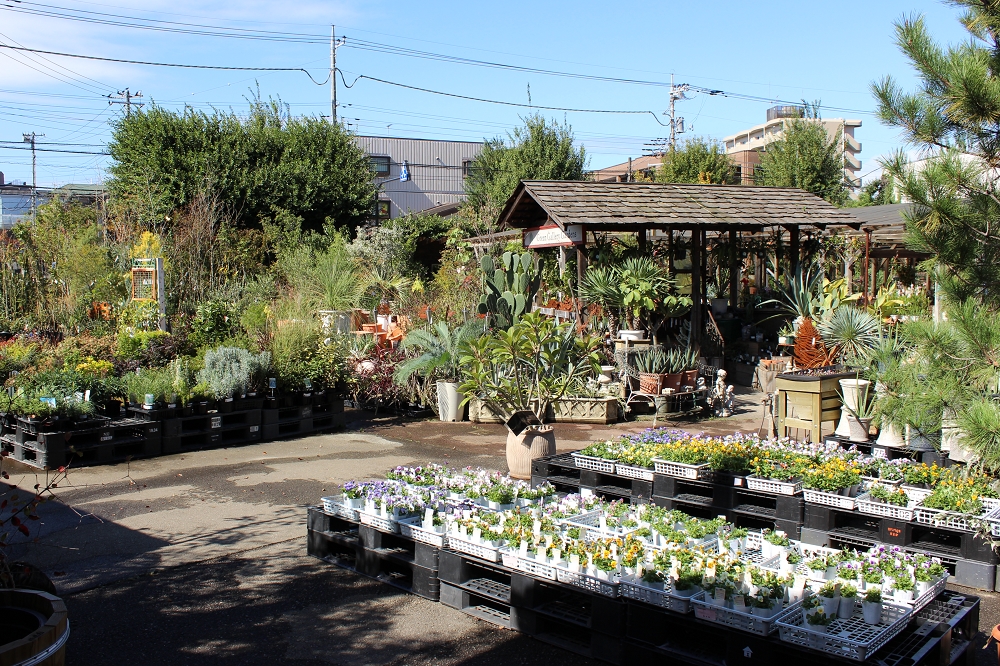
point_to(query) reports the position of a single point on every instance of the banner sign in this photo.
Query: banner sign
(552, 236)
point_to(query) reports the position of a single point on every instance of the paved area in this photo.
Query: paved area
(200, 557)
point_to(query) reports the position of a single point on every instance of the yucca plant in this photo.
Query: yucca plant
(800, 296)
(600, 285)
(850, 332)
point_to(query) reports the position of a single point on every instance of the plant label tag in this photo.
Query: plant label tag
(216, 422)
(524, 549)
(428, 515)
(464, 530)
(536, 528)
(574, 561)
(556, 554)
(719, 595)
(477, 534)
(602, 523)
(738, 601)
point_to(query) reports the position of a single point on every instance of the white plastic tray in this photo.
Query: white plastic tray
(596, 464)
(828, 499)
(774, 486)
(710, 612)
(633, 472)
(849, 639)
(680, 470)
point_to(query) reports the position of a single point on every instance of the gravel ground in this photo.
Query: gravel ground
(201, 557)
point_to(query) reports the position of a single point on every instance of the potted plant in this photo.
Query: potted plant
(524, 369)
(438, 361)
(871, 606)
(719, 305)
(786, 335)
(848, 596)
(829, 599)
(858, 410)
(652, 365)
(820, 621)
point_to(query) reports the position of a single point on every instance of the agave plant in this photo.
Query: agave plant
(800, 296)
(850, 332)
(654, 361)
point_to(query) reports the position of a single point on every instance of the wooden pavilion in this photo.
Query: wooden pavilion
(580, 208)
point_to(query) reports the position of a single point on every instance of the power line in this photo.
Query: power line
(169, 64)
(492, 101)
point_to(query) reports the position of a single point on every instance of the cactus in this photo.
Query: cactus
(509, 289)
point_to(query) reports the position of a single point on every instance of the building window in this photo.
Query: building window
(466, 168)
(380, 164)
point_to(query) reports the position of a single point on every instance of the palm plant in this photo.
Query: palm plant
(642, 283)
(600, 286)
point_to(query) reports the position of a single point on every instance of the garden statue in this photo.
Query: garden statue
(722, 397)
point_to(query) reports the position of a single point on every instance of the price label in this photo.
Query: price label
(216, 422)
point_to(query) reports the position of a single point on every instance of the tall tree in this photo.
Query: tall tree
(254, 166)
(954, 115)
(698, 160)
(539, 150)
(804, 156)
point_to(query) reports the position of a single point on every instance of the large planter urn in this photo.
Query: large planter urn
(533, 443)
(631, 334)
(850, 388)
(33, 628)
(450, 407)
(858, 429)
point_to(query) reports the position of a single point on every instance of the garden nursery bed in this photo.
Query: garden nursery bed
(618, 581)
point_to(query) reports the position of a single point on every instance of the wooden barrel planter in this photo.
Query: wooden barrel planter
(34, 628)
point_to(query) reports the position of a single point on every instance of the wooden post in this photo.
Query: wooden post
(670, 250)
(641, 235)
(696, 287)
(734, 255)
(868, 261)
(794, 251)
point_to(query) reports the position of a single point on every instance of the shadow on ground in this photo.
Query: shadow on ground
(282, 607)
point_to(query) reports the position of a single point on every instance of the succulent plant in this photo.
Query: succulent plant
(509, 290)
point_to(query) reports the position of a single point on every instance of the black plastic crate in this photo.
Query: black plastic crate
(404, 549)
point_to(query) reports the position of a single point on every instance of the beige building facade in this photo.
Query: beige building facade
(744, 147)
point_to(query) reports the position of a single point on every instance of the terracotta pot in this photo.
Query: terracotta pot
(690, 377)
(673, 380)
(535, 442)
(650, 383)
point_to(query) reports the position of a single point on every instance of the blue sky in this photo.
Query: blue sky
(778, 50)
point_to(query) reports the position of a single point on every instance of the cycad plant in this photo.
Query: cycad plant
(438, 351)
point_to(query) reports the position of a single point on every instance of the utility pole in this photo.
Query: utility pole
(125, 97)
(30, 138)
(334, 45)
(676, 124)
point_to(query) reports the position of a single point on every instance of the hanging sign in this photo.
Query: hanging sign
(553, 236)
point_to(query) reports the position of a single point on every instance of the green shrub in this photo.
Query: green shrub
(132, 344)
(233, 371)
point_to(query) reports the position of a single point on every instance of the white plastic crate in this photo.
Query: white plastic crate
(633, 472)
(680, 470)
(335, 507)
(378, 522)
(665, 598)
(828, 499)
(412, 528)
(849, 639)
(590, 583)
(596, 464)
(710, 612)
(954, 520)
(872, 507)
(590, 526)
(774, 486)
(916, 493)
(480, 550)
(530, 566)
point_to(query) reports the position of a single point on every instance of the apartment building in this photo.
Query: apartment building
(744, 147)
(416, 175)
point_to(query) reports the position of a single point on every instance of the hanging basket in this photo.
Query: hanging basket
(650, 383)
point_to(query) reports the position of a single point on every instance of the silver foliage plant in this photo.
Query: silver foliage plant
(233, 371)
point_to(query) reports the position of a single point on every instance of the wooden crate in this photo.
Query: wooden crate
(808, 403)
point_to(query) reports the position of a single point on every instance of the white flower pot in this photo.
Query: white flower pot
(631, 335)
(720, 305)
(889, 437)
(902, 596)
(690, 592)
(872, 612)
(830, 606)
(859, 429)
(846, 608)
(819, 628)
(818, 575)
(450, 407)
(922, 587)
(831, 573)
(849, 388)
